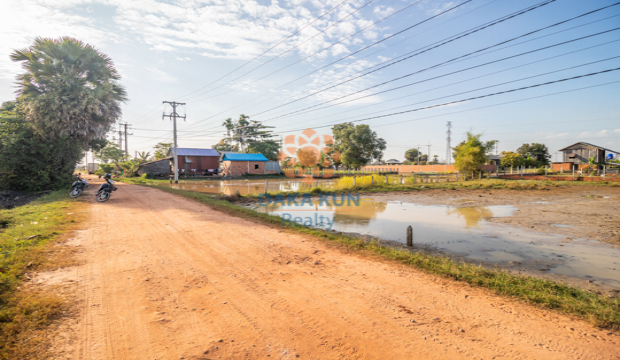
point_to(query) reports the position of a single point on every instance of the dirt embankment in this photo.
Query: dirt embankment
(582, 211)
(168, 278)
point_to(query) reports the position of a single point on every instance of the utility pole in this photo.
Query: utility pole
(120, 138)
(173, 115)
(418, 154)
(428, 156)
(448, 150)
(126, 146)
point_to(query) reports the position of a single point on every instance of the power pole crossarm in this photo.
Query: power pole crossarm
(173, 115)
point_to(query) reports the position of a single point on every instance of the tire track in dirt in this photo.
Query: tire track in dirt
(168, 278)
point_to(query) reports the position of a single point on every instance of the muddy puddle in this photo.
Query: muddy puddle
(246, 187)
(465, 233)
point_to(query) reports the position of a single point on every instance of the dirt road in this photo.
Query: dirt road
(167, 278)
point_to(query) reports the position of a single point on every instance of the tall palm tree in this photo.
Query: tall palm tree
(69, 88)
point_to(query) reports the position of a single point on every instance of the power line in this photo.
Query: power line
(439, 14)
(473, 98)
(292, 48)
(470, 79)
(487, 52)
(424, 51)
(299, 112)
(431, 67)
(271, 48)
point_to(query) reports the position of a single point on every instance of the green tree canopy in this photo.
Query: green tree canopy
(30, 161)
(471, 153)
(512, 159)
(357, 144)
(412, 156)
(69, 89)
(539, 153)
(110, 153)
(269, 148)
(162, 150)
(248, 136)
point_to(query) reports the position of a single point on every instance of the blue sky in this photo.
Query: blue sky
(180, 50)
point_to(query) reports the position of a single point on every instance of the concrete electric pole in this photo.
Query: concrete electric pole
(173, 115)
(126, 137)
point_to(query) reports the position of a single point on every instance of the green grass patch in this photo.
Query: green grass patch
(600, 310)
(26, 246)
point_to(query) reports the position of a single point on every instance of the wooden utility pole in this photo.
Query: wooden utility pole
(173, 115)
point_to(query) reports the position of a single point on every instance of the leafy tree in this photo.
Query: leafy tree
(538, 153)
(511, 159)
(412, 156)
(143, 157)
(130, 168)
(162, 150)
(471, 153)
(357, 144)
(30, 161)
(332, 155)
(223, 145)
(110, 153)
(244, 132)
(69, 89)
(269, 148)
(307, 157)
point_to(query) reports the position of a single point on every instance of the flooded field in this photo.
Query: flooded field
(465, 232)
(246, 187)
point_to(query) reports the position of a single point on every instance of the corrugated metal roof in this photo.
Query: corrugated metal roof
(154, 161)
(244, 157)
(194, 152)
(595, 146)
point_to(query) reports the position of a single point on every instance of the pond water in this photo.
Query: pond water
(246, 187)
(461, 231)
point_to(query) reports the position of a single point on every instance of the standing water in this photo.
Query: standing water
(462, 231)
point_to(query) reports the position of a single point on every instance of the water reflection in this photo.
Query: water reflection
(246, 187)
(466, 232)
(472, 215)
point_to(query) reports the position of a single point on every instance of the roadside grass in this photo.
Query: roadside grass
(26, 245)
(599, 310)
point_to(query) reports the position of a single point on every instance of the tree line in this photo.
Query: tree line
(68, 97)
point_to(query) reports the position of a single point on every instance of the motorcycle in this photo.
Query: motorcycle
(77, 187)
(105, 190)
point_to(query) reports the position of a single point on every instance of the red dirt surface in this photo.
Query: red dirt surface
(164, 277)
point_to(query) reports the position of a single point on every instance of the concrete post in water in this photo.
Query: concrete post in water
(409, 236)
(354, 181)
(266, 185)
(372, 180)
(401, 179)
(386, 179)
(573, 173)
(480, 175)
(437, 177)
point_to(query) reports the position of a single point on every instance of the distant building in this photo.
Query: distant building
(196, 161)
(581, 152)
(495, 159)
(242, 164)
(157, 168)
(392, 162)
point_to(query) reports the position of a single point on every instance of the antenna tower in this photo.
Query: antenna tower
(448, 149)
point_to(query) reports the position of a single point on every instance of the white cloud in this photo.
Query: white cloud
(160, 75)
(617, 131)
(557, 136)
